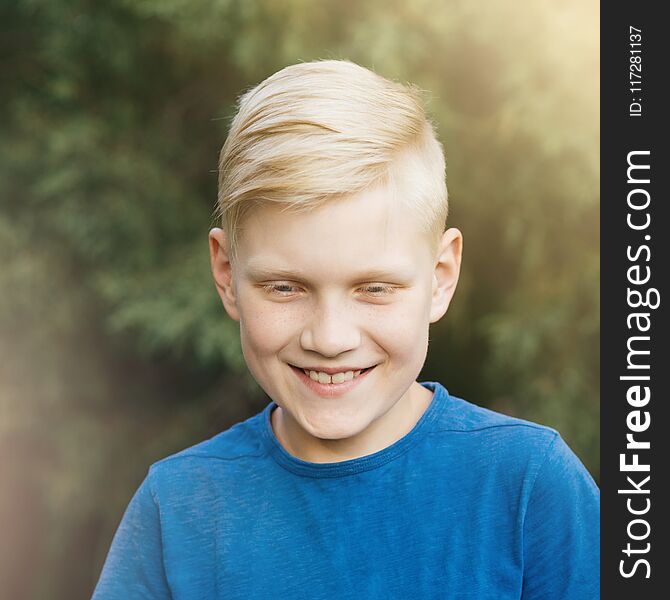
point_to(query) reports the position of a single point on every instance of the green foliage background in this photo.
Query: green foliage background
(114, 349)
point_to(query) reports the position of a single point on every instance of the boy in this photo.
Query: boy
(356, 481)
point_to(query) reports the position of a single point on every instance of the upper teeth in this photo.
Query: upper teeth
(322, 377)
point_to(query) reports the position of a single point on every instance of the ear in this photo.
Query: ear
(447, 270)
(222, 271)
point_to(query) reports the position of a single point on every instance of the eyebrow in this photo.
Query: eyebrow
(390, 272)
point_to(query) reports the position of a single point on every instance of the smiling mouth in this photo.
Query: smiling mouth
(335, 379)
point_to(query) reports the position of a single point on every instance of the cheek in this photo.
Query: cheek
(264, 327)
(402, 330)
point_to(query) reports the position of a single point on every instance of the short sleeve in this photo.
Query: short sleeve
(562, 530)
(134, 564)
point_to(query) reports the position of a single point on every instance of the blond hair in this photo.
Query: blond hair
(320, 130)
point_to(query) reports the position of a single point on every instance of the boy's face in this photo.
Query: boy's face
(350, 285)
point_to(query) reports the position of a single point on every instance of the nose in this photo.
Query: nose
(331, 330)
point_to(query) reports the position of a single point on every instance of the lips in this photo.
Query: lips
(331, 390)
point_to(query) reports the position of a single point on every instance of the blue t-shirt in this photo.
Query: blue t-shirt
(470, 504)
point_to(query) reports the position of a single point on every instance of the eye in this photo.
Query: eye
(286, 290)
(279, 289)
(379, 289)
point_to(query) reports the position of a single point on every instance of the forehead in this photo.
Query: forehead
(369, 231)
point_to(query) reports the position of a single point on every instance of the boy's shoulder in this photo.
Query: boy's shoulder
(238, 444)
(489, 436)
(464, 416)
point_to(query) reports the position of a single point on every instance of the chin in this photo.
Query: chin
(339, 428)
